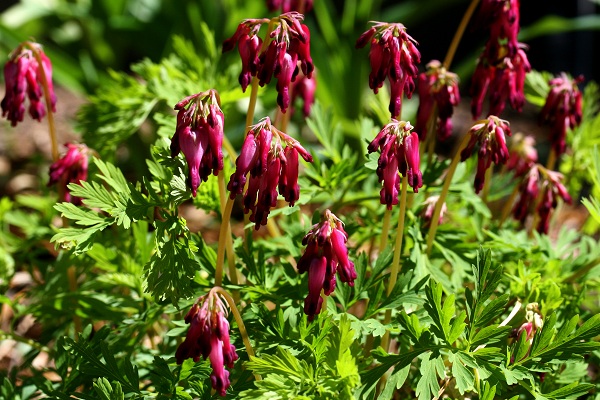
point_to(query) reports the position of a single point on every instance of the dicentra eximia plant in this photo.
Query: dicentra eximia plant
(328, 300)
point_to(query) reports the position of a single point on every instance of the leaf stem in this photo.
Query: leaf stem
(438, 205)
(459, 33)
(4, 335)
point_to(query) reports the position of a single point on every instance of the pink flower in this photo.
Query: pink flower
(199, 135)
(71, 168)
(326, 253)
(208, 337)
(287, 52)
(562, 110)
(437, 88)
(522, 155)
(427, 213)
(394, 56)
(505, 80)
(23, 75)
(490, 135)
(399, 154)
(305, 88)
(271, 158)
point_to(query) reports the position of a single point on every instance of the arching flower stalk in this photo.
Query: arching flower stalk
(286, 6)
(438, 90)
(285, 52)
(199, 135)
(489, 135)
(562, 111)
(326, 253)
(208, 337)
(271, 158)
(394, 56)
(71, 168)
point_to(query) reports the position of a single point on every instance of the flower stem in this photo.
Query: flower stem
(240, 322)
(225, 228)
(551, 160)
(385, 230)
(459, 33)
(508, 206)
(438, 205)
(486, 185)
(396, 260)
(228, 240)
(20, 339)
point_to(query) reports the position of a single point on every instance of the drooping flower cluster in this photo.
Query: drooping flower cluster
(290, 5)
(562, 110)
(208, 337)
(522, 154)
(71, 168)
(393, 56)
(288, 45)
(271, 158)
(438, 88)
(502, 67)
(326, 253)
(23, 77)
(534, 323)
(490, 135)
(199, 135)
(399, 153)
(540, 189)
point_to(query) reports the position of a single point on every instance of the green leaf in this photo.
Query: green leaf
(431, 369)
(571, 391)
(462, 370)
(283, 363)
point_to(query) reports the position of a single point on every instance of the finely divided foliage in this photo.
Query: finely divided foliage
(252, 256)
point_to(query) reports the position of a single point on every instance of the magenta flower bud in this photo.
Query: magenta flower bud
(393, 55)
(287, 6)
(23, 76)
(399, 154)
(284, 74)
(271, 158)
(199, 135)
(562, 110)
(326, 254)
(528, 190)
(71, 168)
(208, 336)
(489, 135)
(438, 88)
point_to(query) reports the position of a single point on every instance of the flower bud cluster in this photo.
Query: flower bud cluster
(287, 46)
(393, 56)
(562, 110)
(326, 253)
(271, 158)
(199, 135)
(522, 155)
(23, 77)
(437, 88)
(71, 168)
(208, 337)
(502, 67)
(399, 153)
(490, 135)
(290, 5)
(540, 188)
